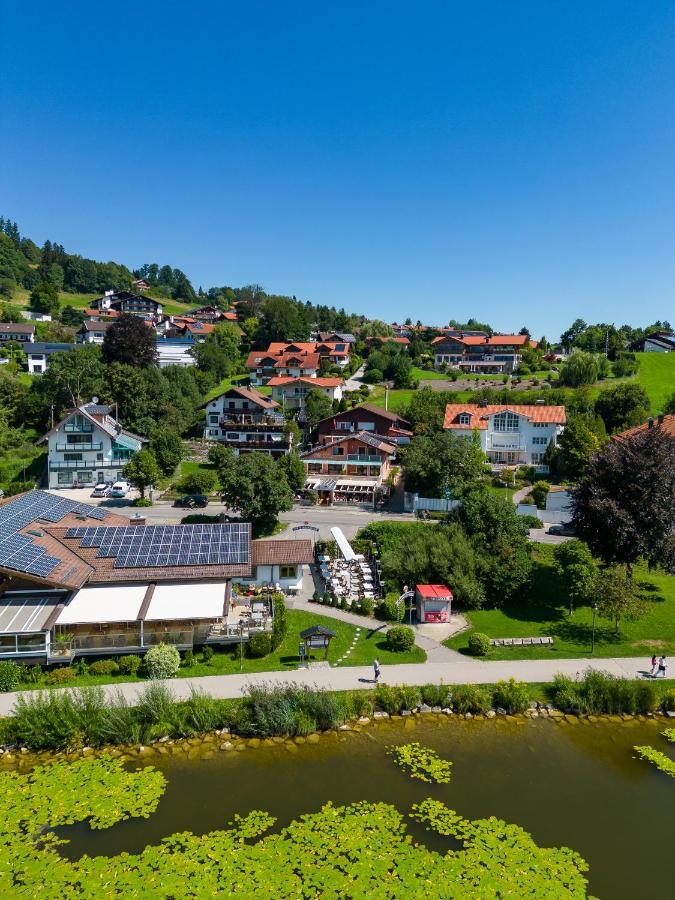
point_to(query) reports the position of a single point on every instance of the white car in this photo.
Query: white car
(101, 490)
(120, 489)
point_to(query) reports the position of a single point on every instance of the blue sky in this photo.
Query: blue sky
(513, 162)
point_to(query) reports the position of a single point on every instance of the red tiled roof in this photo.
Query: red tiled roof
(497, 340)
(479, 414)
(666, 426)
(276, 348)
(281, 553)
(301, 360)
(280, 380)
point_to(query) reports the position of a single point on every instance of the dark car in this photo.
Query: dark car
(192, 501)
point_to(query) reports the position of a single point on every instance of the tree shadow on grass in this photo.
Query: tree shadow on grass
(582, 634)
(647, 587)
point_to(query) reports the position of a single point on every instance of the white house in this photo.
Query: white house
(285, 563)
(509, 435)
(38, 355)
(92, 331)
(291, 392)
(245, 420)
(17, 331)
(87, 446)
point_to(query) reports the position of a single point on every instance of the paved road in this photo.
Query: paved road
(464, 671)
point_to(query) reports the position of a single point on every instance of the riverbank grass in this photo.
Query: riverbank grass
(545, 612)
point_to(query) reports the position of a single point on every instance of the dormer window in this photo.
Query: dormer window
(464, 419)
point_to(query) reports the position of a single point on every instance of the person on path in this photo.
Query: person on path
(662, 667)
(654, 666)
(377, 670)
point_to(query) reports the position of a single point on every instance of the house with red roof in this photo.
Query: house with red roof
(266, 365)
(433, 603)
(496, 354)
(291, 392)
(350, 468)
(508, 435)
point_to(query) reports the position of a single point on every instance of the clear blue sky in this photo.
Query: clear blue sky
(510, 161)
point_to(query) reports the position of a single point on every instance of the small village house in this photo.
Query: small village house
(498, 354)
(17, 331)
(350, 468)
(245, 420)
(291, 392)
(38, 355)
(365, 417)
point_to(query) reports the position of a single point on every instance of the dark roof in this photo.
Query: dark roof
(95, 325)
(371, 408)
(316, 629)
(16, 328)
(47, 349)
(364, 436)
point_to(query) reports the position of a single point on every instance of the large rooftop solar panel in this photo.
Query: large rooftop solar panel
(18, 551)
(146, 546)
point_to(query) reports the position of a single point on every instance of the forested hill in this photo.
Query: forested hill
(24, 266)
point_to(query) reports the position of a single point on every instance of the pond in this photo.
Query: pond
(574, 785)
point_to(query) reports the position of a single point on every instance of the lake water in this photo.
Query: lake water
(576, 785)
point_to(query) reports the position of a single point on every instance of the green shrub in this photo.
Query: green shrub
(470, 698)
(360, 703)
(304, 723)
(389, 611)
(287, 709)
(367, 606)
(539, 493)
(400, 639)
(129, 665)
(142, 501)
(280, 623)
(478, 644)
(155, 705)
(104, 667)
(207, 655)
(600, 692)
(10, 675)
(511, 695)
(260, 645)
(46, 720)
(199, 482)
(31, 674)
(531, 522)
(162, 661)
(411, 697)
(201, 712)
(188, 659)
(388, 699)
(435, 694)
(62, 675)
(668, 701)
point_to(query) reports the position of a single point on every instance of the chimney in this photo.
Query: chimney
(650, 422)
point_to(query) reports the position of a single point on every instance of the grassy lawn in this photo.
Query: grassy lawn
(546, 613)
(398, 399)
(657, 377)
(426, 375)
(369, 645)
(225, 385)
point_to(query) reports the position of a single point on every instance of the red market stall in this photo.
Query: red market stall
(434, 602)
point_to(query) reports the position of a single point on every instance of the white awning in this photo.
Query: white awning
(114, 603)
(187, 601)
(343, 544)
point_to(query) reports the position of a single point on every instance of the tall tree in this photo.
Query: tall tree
(130, 341)
(219, 353)
(434, 464)
(574, 563)
(622, 406)
(167, 446)
(71, 379)
(282, 319)
(44, 298)
(580, 368)
(293, 469)
(576, 445)
(623, 505)
(142, 470)
(617, 597)
(317, 407)
(253, 485)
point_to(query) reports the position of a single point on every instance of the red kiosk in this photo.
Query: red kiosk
(434, 602)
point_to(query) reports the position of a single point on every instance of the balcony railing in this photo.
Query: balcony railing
(84, 464)
(260, 424)
(75, 448)
(78, 429)
(364, 460)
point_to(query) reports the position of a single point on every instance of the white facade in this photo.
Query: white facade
(292, 395)
(260, 376)
(512, 438)
(174, 352)
(83, 452)
(38, 356)
(288, 577)
(244, 425)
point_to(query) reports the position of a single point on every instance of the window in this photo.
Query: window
(232, 435)
(213, 419)
(287, 571)
(506, 421)
(231, 404)
(99, 457)
(85, 477)
(344, 426)
(338, 451)
(537, 458)
(213, 432)
(72, 457)
(65, 477)
(540, 441)
(464, 419)
(366, 426)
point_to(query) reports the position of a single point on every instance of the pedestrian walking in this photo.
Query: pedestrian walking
(662, 667)
(654, 666)
(377, 670)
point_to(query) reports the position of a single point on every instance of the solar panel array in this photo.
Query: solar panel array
(145, 546)
(18, 551)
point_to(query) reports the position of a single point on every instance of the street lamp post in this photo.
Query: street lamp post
(241, 646)
(595, 609)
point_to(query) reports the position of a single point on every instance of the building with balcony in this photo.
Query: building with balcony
(509, 435)
(265, 366)
(495, 355)
(17, 331)
(78, 580)
(88, 446)
(291, 392)
(245, 420)
(350, 468)
(365, 417)
(127, 302)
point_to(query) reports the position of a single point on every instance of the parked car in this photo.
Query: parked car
(120, 489)
(564, 530)
(192, 501)
(101, 490)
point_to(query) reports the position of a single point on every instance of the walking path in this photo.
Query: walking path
(463, 670)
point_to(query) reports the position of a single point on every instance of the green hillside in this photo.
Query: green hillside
(657, 377)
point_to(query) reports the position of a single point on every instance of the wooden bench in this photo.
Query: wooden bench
(521, 642)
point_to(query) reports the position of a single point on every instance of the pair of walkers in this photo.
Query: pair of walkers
(658, 667)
